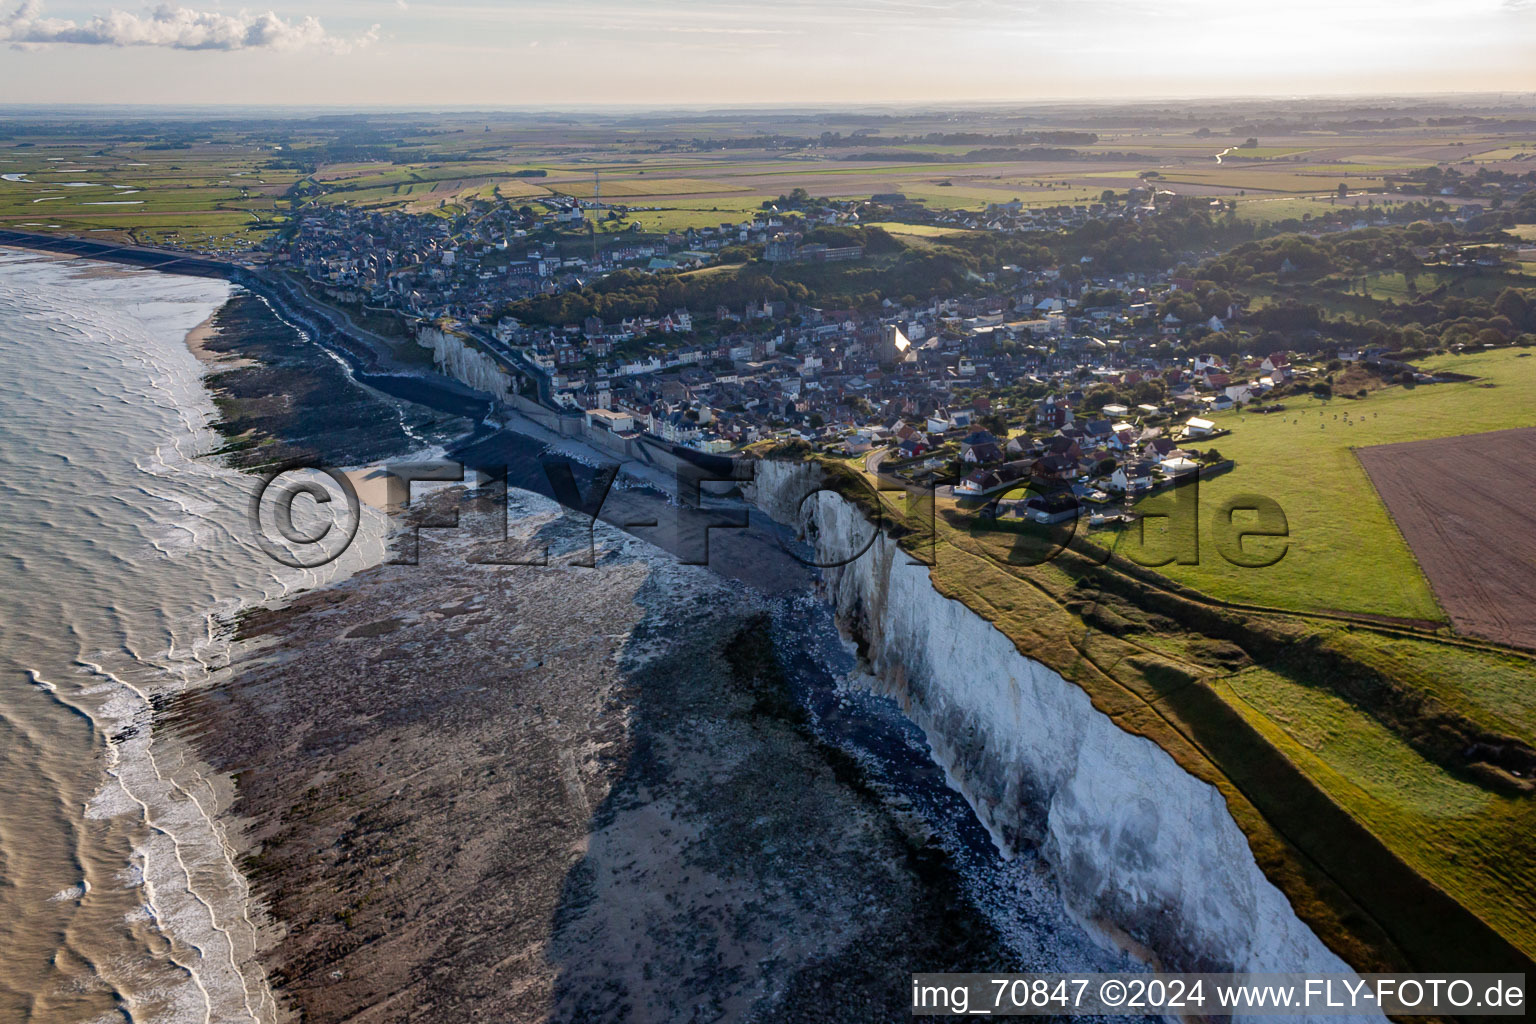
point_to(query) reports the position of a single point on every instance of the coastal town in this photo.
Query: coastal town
(546, 565)
(1060, 379)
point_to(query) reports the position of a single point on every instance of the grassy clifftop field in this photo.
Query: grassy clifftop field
(1344, 552)
(1345, 749)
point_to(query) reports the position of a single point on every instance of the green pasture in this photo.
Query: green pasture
(1344, 553)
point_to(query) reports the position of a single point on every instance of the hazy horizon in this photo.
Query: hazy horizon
(475, 55)
(1504, 99)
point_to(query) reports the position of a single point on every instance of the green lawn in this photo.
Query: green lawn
(919, 230)
(1494, 689)
(1448, 828)
(1337, 737)
(1260, 208)
(1394, 285)
(1345, 553)
(682, 214)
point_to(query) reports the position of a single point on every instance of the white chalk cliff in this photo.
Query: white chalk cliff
(460, 359)
(1146, 855)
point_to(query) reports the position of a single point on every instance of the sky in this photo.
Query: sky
(515, 53)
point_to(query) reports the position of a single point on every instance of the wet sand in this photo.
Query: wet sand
(282, 397)
(198, 339)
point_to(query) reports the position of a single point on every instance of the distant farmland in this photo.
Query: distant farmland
(626, 187)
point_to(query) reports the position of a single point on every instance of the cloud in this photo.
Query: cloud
(175, 28)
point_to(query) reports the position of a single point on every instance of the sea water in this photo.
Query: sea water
(124, 550)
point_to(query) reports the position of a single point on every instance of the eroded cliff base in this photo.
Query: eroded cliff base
(521, 793)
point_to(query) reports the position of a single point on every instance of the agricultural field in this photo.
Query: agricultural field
(641, 187)
(908, 232)
(214, 198)
(1288, 180)
(680, 215)
(1345, 553)
(1269, 209)
(1466, 505)
(267, 169)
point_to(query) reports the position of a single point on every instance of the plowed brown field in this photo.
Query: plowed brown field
(1467, 507)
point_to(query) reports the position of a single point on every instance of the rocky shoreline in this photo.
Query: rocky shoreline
(282, 397)
(555, 792)
(562, 793)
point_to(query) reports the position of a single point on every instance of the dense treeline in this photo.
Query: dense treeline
(837, 140)
(890, 269)
(307, 161)
(1312, 258)
(1297, 268)
(1115, 246)
(990, 154)
(874, 240)
(952, 265)
(914, 273)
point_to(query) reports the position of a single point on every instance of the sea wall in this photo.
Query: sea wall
(1147, 856)
(457, 357)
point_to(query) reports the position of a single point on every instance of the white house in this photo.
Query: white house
(618, 422)
(974, 485)
(1240, 393)
(1197, 427)
(1132, 478)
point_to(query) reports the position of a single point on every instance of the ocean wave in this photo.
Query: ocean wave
(137, 556)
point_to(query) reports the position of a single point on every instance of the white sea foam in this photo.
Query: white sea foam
(123, 551)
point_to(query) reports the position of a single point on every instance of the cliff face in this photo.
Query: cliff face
(465, 363)
(1146, 855)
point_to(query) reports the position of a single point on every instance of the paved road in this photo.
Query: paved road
(513, 360)
(171, 260)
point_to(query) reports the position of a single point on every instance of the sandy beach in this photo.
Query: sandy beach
(198, 339)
